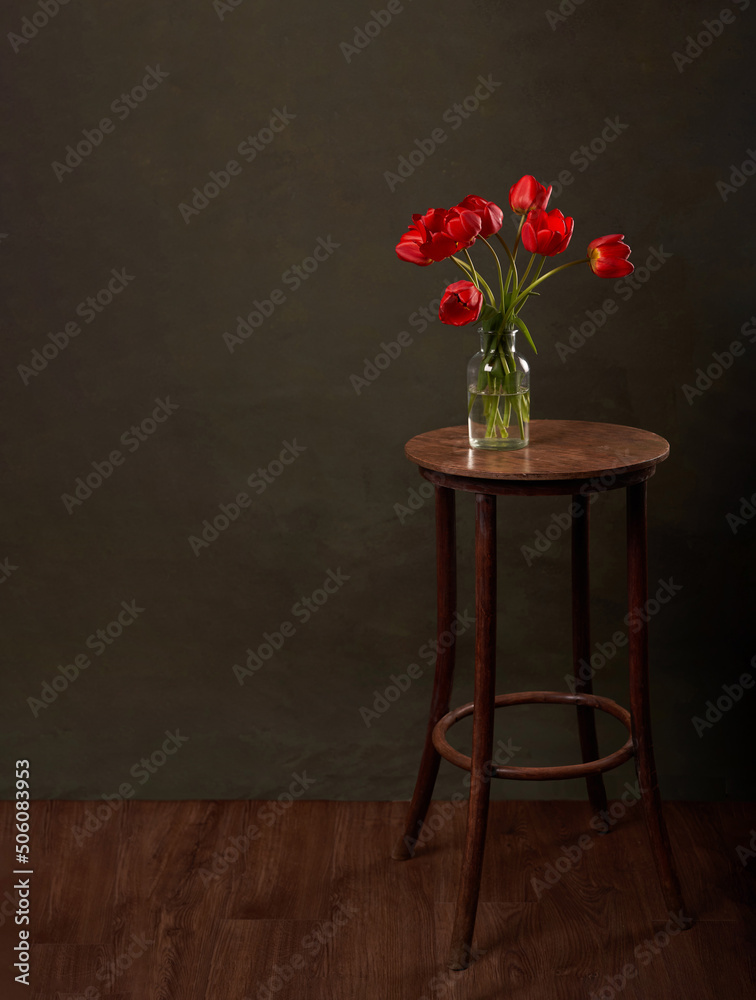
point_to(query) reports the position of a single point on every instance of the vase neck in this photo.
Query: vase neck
(506, 339)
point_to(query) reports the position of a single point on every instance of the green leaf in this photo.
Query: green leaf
(512, 382)
(489, 317)
(497, 369)
(518, 322)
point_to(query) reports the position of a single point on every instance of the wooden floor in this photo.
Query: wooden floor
(315, 908)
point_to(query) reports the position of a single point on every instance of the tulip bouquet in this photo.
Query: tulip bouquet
(499, 392)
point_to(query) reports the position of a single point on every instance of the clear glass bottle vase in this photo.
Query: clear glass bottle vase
(498, 387)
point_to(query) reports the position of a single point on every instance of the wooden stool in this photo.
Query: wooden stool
(564, 457)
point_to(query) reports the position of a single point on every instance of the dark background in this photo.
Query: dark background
(335, 506)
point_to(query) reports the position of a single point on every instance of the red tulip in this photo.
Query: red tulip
(461, 304)
(491, 216)
(608, 256)
(437, 235)
(527, 194)
(547, 233)
(462, 225)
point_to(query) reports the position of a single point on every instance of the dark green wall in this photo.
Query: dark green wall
(321, 182)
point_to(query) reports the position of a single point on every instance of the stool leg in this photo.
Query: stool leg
(581, 645)
(483, 723)
(637, 577)
(446, 577)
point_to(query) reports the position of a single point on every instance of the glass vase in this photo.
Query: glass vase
(498, 386)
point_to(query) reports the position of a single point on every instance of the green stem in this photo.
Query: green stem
(472, 273)
(512, 264)
(491, 416)
(522, 295)
(514, 253)
(498, 268)
(504, 365)
(527, 269)
(519, 233)
(512, 361)
(537, 275)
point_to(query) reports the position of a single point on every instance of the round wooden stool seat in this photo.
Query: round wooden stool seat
(563, 457)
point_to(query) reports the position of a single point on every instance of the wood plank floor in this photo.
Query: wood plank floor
(229, 901)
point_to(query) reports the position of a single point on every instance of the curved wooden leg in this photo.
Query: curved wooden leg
(483, 720)
(637, 577)
(446, 578)
(581, 645)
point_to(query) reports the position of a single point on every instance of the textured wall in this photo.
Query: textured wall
(155, 371)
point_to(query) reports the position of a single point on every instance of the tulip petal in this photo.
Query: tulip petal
(412, 254)
(605, 239)
(615, 250)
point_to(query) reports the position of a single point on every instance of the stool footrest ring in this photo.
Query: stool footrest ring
(547, 773)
